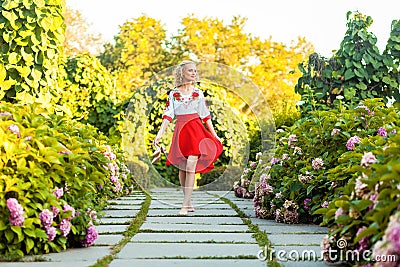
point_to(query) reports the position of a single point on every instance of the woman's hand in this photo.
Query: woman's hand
(156, 140)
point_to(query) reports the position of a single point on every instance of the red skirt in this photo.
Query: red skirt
(192, 138)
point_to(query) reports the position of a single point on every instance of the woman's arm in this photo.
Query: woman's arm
(211, 129)
(161, 132)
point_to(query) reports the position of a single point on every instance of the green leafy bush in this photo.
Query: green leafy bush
(369, 196)
(89, 94)
(307, 154)
(56, 174)
(355, 72)
(31, 42)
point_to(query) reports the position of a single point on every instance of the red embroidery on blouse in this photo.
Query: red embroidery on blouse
(195, 95)
(177, 96)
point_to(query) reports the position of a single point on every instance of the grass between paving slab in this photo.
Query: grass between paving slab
(260, 236)
(128, 234)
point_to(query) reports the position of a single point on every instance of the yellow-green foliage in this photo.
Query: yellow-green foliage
(39, 153)
(30, 45)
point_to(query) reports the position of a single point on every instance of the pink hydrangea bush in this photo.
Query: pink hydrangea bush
(48, 199)
(303, 169)
(364, 211)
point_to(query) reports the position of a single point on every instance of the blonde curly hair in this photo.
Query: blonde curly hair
(178, 72)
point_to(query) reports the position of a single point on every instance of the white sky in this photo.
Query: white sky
(322, 22)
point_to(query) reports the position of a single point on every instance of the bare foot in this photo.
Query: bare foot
(190, 209)
(183, 212)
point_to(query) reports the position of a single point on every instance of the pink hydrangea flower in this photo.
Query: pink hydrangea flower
(28, 138)
(366, 108)
(91, 236)
(291, 140)
(325, 204)
(382, 132)
(65, 227)
(109, 154)
(58, 192)
(339, 212)
(113, 179)
(352, 141)
(305, 202)
(368, 159)
(335, 132)
(14, 129)
(51, 232)
(297, 150)
(46, 217)
(274, 161)
(5, 114)
(17, 212)
(317, 163)
(55, 211)
(118, 187)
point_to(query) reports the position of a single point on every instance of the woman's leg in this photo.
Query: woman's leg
(189, 183)
(182, 176)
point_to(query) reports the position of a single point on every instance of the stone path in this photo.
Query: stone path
(289, 241)
(213, 235)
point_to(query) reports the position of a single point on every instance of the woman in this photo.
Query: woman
(193, 148)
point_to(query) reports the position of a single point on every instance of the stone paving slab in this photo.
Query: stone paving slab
(47, 264)
(293, 229)
(180, 199)
(194, 237)
(190, 250)
(197, 206)
(108, 240)
(187, 263)
(178, 203)
(130, 198)
(296, 239)
(123, 207)
(73, 255)
(115, 220)
(194, 220)
(205, 212)
(193, 227)
(126, 202)
(120, 213)
(111, 228)
(306, 264)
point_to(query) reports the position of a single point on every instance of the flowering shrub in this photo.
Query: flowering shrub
(241, 188)
(363, 212)
(303, 167)
(390, 244)
(55, 175)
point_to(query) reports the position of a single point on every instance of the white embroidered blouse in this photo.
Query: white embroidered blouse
(180, 104)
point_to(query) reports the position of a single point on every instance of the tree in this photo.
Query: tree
(140, 51)
(355, 72)
(210, 40)
(79, 38)
(272, 66)
(276, 72)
